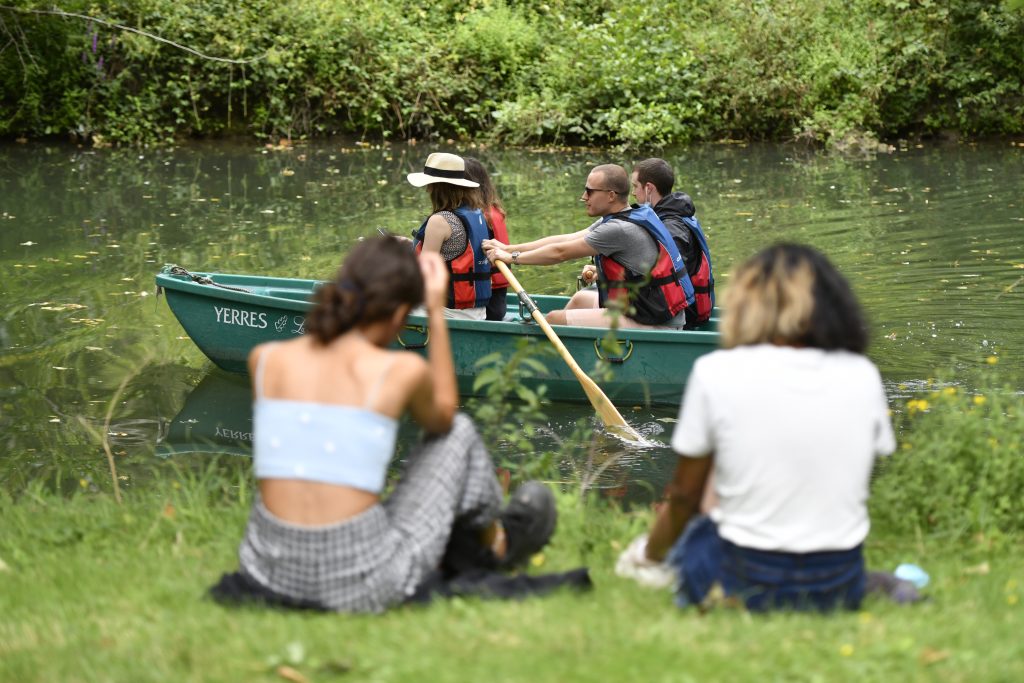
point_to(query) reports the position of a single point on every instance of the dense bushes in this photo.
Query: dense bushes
(960, 467)
(831, 71)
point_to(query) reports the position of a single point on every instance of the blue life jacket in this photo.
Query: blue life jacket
(657, 296)
(469, 279)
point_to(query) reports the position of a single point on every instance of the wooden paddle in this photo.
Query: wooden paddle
(605, 410)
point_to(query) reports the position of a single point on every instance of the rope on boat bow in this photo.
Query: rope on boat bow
(203, 279)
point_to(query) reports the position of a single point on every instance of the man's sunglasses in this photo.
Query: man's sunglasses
(591, 190)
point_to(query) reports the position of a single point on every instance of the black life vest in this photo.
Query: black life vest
(657, 296)
(469, 280)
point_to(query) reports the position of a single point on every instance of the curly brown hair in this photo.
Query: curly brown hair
(378, 275)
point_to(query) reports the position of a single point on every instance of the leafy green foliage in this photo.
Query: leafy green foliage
(960, 469)
(824, 71)
(508, 411)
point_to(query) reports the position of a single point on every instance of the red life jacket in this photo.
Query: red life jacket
(496, 219)
(703, 280)
(657, 296)
(469, 280)
(677, 212)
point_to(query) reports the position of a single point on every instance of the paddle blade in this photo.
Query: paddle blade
(608, 413)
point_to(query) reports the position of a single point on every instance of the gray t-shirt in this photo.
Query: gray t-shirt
(626, 242)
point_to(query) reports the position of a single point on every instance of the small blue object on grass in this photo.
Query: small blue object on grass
(913, 574)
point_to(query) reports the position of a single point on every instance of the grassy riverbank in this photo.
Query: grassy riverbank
(94, 591)
(823, 71)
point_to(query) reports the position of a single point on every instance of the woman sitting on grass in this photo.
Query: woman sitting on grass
(325, 420)
(788, 419)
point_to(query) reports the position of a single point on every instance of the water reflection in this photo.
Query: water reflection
(929, 237)
(216, 418)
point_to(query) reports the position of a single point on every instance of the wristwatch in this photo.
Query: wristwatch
(515, 257)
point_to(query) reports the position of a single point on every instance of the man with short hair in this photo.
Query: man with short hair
(638, 267)
(651, 183)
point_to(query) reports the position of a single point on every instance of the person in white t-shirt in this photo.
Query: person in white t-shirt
(785, 423)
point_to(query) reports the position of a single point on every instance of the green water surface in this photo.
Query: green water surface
(930, 237)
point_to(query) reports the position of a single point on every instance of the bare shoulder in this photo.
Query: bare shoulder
(438, 221)
(254, 356)
(409, 367)
(260, 350)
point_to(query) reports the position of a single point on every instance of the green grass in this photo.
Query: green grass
(93, 591)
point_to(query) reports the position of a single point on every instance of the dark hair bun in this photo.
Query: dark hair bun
(378, 275)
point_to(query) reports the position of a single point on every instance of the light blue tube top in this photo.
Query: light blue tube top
(322, 442)
(332, 444)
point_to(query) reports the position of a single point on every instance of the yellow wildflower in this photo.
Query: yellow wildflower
(949, 391)
(846, 650)
(992, 360)
(979, 400)
(917, 405)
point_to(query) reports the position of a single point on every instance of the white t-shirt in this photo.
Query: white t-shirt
(794, 434)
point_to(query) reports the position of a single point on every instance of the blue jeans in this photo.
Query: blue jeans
(765, 580)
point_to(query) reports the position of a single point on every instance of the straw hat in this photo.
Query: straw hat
(442, 168)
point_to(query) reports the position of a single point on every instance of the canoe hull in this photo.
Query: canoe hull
(649, 367)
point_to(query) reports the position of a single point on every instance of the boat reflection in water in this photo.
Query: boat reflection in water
(216, 418)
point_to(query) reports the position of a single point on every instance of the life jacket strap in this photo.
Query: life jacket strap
(460, 277)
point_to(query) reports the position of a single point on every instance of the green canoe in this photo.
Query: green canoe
(227, 315)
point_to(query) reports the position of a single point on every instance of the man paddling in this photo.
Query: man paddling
(638, 266)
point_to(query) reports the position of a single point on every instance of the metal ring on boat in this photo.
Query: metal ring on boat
(415, 328)
(614, 359)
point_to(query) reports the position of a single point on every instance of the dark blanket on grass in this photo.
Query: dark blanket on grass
(237, 589)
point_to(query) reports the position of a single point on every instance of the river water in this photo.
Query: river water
(930, 237)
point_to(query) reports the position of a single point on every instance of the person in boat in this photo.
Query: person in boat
(325, 419)
(641, 277)
(456, 229)
(494, 212)
(785, 423)
(651, 183)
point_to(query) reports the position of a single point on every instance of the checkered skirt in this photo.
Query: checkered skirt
(377, 559)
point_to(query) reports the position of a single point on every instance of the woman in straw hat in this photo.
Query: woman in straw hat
(456, 229)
